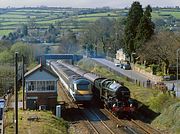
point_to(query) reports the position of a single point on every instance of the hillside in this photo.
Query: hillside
(74, 18)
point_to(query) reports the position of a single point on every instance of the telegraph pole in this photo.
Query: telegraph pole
(16, 92)
(23, 79)
(177, 55)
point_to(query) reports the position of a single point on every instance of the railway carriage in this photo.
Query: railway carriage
(79, 88)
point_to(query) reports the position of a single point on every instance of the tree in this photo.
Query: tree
(133, 19)
(32, 24)
(161, 48)
(98, 36)
(23, 49)
(51, 29)
(104, 27)
(89, 39)
(4, 45)
(69, 43)
(24, 30)
(116, 35)
(145, 28)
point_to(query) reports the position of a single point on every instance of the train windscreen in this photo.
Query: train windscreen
(83, 86)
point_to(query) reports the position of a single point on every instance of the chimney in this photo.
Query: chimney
(42, 61)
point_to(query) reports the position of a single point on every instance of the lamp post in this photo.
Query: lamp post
(177, 54)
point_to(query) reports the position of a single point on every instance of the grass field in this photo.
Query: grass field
(89, 19)
(12, 16)
(175, 14)
(5, 32)
(100, 14)
(45, 16)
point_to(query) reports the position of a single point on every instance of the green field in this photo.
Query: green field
(100, 14)
(67, 17)
(89, 19)
(7, 15)
(175, 14)
(5, 32)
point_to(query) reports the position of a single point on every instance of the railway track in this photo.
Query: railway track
(122, 124)
(97, 122)
(148, 129)
(91, 118)
(132, 126)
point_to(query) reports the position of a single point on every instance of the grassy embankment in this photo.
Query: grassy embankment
(47, 123)
(168, 106)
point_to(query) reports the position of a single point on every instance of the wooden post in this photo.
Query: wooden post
(16, 93)
(23, 81)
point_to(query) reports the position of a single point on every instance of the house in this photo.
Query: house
(41, 88)
(121, 56)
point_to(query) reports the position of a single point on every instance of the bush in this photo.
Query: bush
(157, 103)
(169, 119)
(159, 73)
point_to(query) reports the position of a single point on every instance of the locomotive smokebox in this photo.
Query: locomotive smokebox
(122, 92)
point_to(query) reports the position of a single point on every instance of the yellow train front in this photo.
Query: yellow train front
(80, 89)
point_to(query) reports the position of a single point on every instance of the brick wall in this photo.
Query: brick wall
(46, 98)
(147, 74)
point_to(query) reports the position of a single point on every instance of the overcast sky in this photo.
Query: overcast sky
(86, 3)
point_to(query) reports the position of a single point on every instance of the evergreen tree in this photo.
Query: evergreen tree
(24, 30)
(133, 19)
(145, 28)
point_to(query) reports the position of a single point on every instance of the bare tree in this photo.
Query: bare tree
(161, 48)
(69, 43)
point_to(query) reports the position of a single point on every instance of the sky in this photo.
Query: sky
(86, 3)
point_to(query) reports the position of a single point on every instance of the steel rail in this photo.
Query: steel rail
(124, 126)
(144, 127)
(102, 122)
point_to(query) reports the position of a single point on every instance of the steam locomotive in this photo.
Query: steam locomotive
(114, 95)
(79, 88)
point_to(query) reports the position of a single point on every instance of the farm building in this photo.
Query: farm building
(41, 88)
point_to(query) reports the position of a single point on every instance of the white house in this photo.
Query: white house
(120, 55)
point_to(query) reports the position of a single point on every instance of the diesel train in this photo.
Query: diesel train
(114, 95)
(79, 88)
